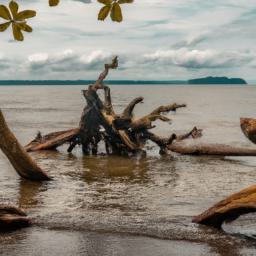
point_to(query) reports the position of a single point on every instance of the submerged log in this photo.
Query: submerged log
(12, 218)
(24, 165)
(248, 126)
(211, 149)
(229, 209)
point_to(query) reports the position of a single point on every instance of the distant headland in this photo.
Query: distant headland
(217, 80)
(206, 80)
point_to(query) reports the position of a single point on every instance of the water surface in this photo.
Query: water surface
(129, 206)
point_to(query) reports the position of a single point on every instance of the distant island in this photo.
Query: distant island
(217, 80)
(206, 80)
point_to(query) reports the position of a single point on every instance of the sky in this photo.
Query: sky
(158, 40)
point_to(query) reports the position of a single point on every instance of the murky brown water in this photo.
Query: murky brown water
(129, 206)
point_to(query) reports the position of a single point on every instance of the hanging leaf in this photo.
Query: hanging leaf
(17, 32)
(54, 2)
(116, 13)
(4, 26)
(4, 13)
(104, 12)
(25, 27)
(14, 8)
(25, 15)
(125, 1)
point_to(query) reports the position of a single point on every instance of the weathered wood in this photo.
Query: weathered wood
(24, 165)
(248, 126)
(229, 209)
(211, 149)
(52, 140)
(12, 218)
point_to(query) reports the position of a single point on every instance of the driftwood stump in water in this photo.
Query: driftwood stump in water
(122, 133)
(229, 209)
(24, 165)
(12, 218)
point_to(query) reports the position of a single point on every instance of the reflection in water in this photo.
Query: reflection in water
(28, 194)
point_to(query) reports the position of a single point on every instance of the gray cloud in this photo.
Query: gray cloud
(200, 59)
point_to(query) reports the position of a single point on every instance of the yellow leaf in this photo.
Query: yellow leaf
(4, 13)
(14, 9)
(125, 1)
(17, 34)
(54, 2)
(116, 13)
(104, 12)
(24, 26)
(106, 2)
(4, 26)
(25, 15)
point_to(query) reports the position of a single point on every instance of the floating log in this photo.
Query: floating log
(211, 149)
(229, 209)
(248, 126)
(12, 218)
(24, 165)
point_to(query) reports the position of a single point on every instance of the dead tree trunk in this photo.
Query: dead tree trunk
(12, 218)
(229, 209)
(25, 166)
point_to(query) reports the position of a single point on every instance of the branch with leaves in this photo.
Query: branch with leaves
(18, 20)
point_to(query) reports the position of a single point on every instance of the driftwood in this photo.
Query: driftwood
(52, 140)
(125, 134)
(229, 209)
(211, 149)
(24, 165)
(12, 218)
(248, 126)
(122, 134)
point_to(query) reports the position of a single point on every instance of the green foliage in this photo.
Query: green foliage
(113, 8)
(17, 19)
(19, 24)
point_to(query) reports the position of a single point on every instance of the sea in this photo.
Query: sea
(141, 205)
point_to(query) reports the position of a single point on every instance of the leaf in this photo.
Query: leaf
(54, 2)
(25, 27)
(25, 15)
(106, 2)
(116, 13)
(4, 13)
(125, 1)
(14, 9)
(4, 26)
(104, 12)
(17, 34)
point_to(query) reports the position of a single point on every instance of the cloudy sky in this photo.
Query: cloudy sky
(158, 40)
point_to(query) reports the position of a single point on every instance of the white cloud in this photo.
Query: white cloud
(197, 37)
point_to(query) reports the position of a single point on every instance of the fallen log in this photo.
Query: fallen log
(52, 140)
(210, 149)
(229, 209)
(248, 126)
(24, 165)
(12, 218)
